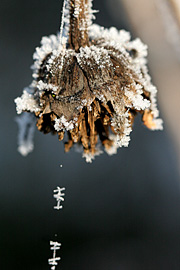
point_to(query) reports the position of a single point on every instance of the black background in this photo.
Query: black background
(120, 212)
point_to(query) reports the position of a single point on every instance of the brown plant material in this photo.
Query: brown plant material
(90, 84)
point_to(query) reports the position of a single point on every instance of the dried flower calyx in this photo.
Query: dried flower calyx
(90, 82)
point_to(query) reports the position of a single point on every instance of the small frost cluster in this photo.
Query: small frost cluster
(90, 82)
(59, 197)
(53, 261)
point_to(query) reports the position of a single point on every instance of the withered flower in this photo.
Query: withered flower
(90, 82)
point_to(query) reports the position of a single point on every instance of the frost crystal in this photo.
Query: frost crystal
(62, 124)
(26, 103)
(90, 82)
(59, 197)
(54, 246)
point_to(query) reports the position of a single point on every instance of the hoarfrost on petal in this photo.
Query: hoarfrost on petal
(90, 157)
(26, 103)
(112, 150)
(62, 124)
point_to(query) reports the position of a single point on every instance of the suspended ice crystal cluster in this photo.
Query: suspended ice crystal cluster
(54, 260)
(90, 82)
(59, 196)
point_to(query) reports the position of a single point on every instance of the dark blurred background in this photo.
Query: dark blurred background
(120, 212)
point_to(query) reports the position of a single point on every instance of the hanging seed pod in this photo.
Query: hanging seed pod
(90, 82)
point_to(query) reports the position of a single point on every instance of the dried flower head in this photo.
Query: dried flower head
(90, 82)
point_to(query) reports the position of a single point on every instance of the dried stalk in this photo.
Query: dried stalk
(78, 32)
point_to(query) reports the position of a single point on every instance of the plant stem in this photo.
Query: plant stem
(78, 29)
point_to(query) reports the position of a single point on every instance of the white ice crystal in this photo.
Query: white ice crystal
(136, 98)
(48, 44)
(26, 103)
(94, 57)
(112, 150)
(59, 197)
(46, 86)
(64, 29)
(90, 157)
(122, 139)
(62, 124)
(53, 261)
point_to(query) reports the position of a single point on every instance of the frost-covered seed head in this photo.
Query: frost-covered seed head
(90, 82)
